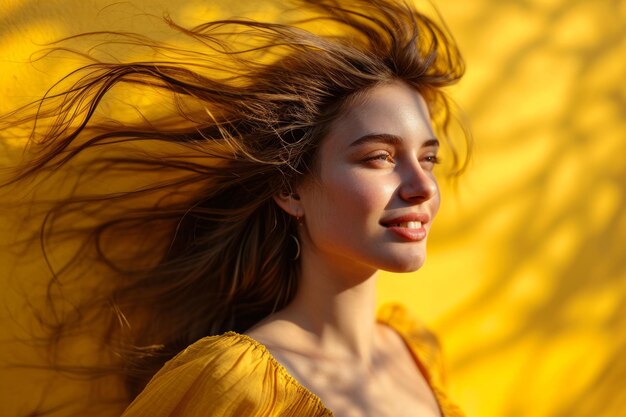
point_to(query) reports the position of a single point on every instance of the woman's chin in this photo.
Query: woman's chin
(410, 264)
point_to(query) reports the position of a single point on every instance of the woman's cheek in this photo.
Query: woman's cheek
(359, 201)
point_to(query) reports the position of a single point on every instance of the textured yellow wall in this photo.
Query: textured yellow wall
(526, 281)
(526, 277)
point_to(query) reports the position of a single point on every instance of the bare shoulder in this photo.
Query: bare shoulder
(278, 331)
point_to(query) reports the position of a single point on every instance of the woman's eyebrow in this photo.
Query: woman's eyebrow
(388, 139)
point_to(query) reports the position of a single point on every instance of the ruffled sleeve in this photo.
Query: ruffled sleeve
(224, 376)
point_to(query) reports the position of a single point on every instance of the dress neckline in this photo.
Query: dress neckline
(386, 315)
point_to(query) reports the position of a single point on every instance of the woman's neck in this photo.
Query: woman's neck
(333, 313)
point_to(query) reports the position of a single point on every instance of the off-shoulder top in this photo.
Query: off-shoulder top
(232, 375)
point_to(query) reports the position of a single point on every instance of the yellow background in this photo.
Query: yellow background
(526, 277)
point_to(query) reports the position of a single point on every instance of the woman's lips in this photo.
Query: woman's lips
(413, 234)
(409, 226)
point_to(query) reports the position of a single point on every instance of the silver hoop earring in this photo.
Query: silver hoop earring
(297, 255)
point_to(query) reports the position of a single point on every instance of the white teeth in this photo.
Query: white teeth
(410, 225)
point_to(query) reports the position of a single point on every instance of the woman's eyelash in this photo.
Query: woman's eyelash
(381, 156)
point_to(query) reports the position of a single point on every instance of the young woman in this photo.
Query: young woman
(298, 163)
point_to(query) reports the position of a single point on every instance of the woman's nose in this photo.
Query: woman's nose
(418, 185)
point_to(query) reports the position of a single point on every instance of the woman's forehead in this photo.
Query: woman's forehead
(391, 109)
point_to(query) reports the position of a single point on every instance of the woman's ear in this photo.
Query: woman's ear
(290, 203)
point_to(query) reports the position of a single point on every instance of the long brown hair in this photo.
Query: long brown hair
(206, 248)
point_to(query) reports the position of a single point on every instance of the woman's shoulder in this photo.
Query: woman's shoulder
(227, 353)
(227, 375)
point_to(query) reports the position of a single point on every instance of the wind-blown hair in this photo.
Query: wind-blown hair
(207, 249)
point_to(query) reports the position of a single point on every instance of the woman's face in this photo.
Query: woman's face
(374, 197)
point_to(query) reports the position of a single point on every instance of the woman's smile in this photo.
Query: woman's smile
(410, 226)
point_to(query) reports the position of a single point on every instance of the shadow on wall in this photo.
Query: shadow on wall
(545, 205)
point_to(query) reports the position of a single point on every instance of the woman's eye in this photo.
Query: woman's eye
(385, 156)
(431, 160)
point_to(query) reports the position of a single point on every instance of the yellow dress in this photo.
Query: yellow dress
(232, 375)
